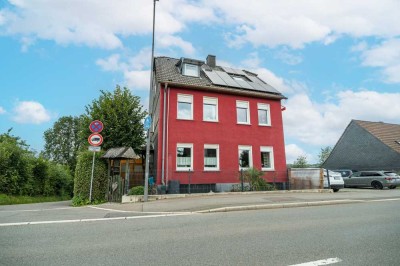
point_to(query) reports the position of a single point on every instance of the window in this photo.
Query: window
(263, 114)
(210, 109)
(190, 70)
(242, 112)
(185, 107)
(211, 157)
(267, 158)
(184, 156)
(245, 157)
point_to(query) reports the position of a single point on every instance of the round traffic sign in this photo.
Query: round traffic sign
(96, 126)
(95, 139)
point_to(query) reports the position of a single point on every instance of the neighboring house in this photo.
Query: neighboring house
(209, 122)
(367, 146)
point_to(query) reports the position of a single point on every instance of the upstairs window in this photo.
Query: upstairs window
(185, 107)
(264, 118)
(210, 109)
(242, 112)
(191, 70)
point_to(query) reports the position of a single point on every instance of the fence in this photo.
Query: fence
(177, 182)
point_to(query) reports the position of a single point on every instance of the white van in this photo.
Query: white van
(335, 180)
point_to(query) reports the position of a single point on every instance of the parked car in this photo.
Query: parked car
(375, 179)
(344, 172)
(335, 180)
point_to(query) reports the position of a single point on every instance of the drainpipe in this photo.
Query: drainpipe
(163, 136)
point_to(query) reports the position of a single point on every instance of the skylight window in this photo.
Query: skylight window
(238, 77)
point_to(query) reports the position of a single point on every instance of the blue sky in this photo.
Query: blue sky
(334, 60)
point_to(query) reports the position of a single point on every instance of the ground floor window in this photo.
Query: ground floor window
(245, 157)
(211, 157)
(267, 158)
(184, 156)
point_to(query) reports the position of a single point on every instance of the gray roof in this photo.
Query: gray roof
(120, 153)
(212, 78)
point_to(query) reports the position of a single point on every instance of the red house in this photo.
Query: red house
(209, 122)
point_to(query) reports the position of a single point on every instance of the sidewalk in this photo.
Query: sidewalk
(222, 202)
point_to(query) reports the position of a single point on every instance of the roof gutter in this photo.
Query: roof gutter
(227, 90)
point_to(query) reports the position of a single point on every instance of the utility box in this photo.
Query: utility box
(173, 187)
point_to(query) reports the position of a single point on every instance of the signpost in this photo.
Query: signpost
(95, 140)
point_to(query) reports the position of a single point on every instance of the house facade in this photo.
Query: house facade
(366, 145)
(211, 122)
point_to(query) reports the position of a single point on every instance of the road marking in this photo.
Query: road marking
(379, 200)
(114, 210)
(319, 262)
(93, 219)
(39, 210)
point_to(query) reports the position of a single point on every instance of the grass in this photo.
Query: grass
(11, 199)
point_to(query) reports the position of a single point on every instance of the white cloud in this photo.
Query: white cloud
(2, 110)
(297, 23)
(138, 79)
(386, 56)
(289, 58)
(293, 152)
(100, 23)
(321, 124)
(30, 112)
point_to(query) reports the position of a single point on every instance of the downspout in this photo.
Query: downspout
(163, 136)
(167, 134)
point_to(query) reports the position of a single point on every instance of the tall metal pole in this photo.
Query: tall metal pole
(91, 180)
(146, 175)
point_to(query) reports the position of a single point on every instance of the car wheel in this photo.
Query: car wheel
(377, 185)
(392, 187)
(335, 190)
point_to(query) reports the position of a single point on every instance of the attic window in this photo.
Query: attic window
(190, 70)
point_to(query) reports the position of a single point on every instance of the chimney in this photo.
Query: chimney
(211, 62)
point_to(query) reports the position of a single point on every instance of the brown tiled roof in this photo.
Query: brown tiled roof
(389, 134)
(167, 72)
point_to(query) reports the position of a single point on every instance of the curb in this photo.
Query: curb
(280, 205)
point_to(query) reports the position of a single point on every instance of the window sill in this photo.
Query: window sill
(211, 170)
(264, 125)
(212, 121)
(185, 119)
(184, 170)
(267, 169)
(244, 124)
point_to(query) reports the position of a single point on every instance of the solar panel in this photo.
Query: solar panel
(215, 79)
(227, 79)
(265, 86)
(244, 84)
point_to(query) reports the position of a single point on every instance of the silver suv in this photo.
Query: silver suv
(375, 179)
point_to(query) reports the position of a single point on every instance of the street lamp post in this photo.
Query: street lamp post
(146, 175)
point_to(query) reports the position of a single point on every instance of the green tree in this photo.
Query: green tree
(301, 162)
(62, 141)
(122, 116)
(324, 154)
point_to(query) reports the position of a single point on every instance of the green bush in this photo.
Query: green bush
(253, 177)
(139, 190)
(83, 174)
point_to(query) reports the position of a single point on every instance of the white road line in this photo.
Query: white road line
(379, 200)
(39, 210)
(114, 210)
(93, 220)
(319, 262)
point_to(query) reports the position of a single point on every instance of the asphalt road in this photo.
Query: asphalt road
(350, 234)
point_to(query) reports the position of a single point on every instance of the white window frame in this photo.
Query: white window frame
(187, 72)
(249, 148)
(211, 101)
(271, 157)
(184, 145)
(265, 107)
(212, 146)
(184, 98)
(242, 105)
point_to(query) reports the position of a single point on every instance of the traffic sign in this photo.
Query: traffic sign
(147, 123)
(96, 126)
(94, 148)
(95, 139)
